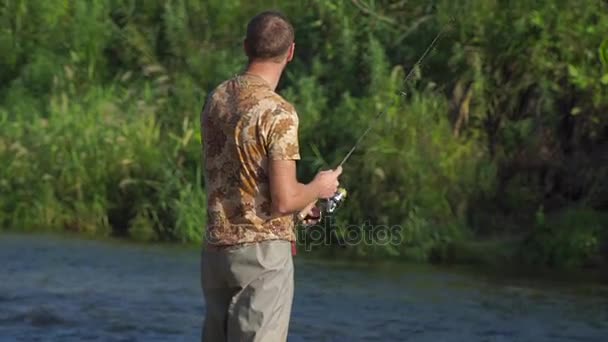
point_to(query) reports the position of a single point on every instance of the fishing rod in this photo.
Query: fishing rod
(329, 206)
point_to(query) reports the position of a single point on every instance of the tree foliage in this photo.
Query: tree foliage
(505, 119)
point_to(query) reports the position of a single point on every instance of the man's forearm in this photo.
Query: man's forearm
(289, 196)
(302, 196)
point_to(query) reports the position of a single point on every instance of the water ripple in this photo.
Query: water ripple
(36, 317)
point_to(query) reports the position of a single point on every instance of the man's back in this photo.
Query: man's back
(245, 124)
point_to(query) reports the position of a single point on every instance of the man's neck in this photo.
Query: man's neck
(269, 71)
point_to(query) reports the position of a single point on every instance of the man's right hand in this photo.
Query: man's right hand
(327, 183)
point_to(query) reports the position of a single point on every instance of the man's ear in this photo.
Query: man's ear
(291, 52)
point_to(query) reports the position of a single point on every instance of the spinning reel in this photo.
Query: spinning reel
(328, 206)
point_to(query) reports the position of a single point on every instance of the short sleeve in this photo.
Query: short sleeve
(282, 140)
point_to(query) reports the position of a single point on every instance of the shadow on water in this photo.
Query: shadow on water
(57, 288)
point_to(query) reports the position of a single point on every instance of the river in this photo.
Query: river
(57, 288)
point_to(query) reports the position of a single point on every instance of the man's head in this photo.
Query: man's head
(270, 38)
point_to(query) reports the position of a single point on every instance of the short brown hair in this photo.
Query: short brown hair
(269, 36)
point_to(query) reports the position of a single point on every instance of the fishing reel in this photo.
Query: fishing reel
(328, 206)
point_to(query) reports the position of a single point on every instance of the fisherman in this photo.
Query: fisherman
(254, 199)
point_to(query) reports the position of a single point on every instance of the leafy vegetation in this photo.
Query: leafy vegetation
(503, 134)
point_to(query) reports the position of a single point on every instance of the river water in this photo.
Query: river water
(56, 288)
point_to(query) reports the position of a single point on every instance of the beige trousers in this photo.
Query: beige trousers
(248, 292)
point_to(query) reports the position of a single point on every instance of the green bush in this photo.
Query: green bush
(569, 239)
(95, 162)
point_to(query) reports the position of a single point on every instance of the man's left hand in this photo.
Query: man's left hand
(310, 215)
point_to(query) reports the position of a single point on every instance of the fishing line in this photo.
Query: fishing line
(402, 93)
(330, 205)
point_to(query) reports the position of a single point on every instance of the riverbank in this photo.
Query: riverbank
(497, 256)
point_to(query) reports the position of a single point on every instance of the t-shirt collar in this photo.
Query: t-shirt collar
(255, 79)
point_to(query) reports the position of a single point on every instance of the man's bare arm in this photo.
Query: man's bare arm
(289, 196)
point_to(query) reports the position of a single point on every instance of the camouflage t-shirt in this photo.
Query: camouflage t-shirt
(244, 125)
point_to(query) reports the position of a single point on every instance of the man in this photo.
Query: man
(250, 148)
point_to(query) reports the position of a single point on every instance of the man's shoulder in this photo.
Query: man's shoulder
(253, 96)
(220, 89)
(275, 103)
(285, 105)
(215, 95)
